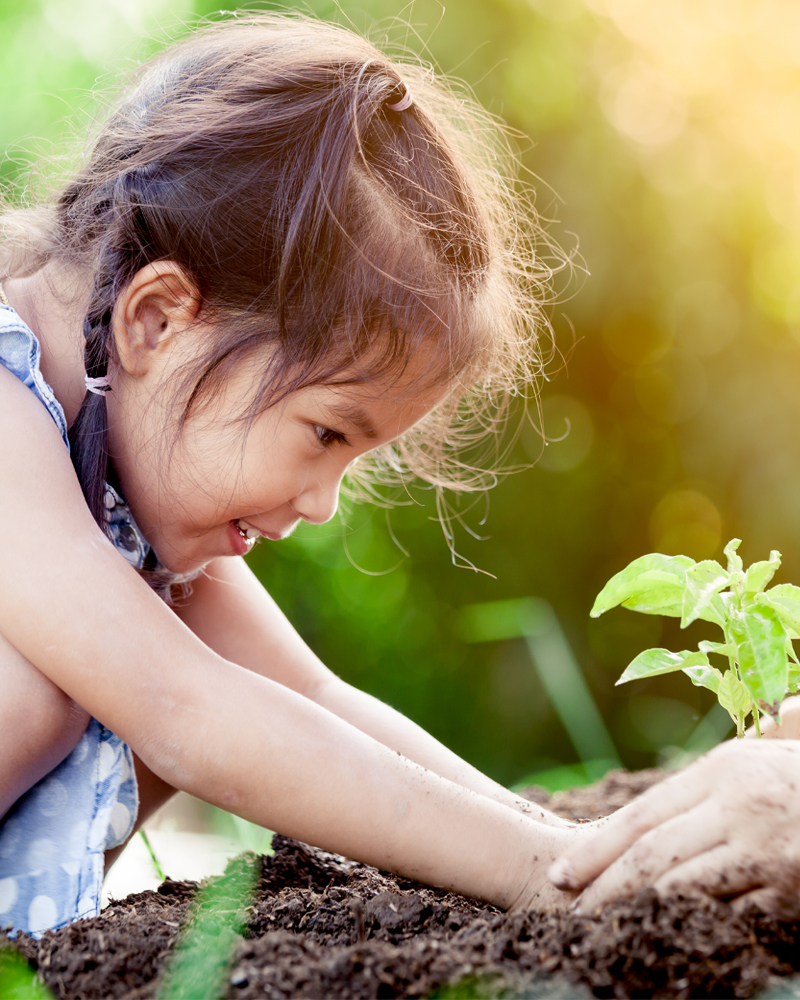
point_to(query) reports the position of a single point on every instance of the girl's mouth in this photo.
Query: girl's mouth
(243, 536)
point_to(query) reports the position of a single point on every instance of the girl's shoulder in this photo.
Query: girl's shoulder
(20, 354)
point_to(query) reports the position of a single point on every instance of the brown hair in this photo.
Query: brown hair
(261, 156)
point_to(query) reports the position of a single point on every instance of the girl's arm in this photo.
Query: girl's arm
(72, 607)
(233, 614)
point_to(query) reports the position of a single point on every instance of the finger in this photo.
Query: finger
(587, 859)
(722, 871)
(652, 856)
(774, 902)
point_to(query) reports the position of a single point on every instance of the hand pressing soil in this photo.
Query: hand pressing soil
(324, 927)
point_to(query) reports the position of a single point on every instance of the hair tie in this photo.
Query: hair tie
(405, 101)
(99, 386)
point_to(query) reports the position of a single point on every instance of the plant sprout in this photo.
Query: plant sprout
(758, 626)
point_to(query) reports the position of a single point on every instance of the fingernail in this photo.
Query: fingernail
(562, 874)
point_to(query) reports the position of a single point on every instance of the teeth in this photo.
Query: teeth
(247, 531)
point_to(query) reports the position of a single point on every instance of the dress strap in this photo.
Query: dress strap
(4, 297)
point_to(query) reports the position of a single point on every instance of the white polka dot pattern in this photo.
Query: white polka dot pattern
(42, 913)
(8, 894)
(53, 840)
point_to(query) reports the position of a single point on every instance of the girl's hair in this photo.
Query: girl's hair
(261, 155)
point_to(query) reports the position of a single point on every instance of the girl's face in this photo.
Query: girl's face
(218, 487)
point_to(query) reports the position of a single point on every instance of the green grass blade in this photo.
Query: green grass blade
(18, 981)
(156, 864)
(496, 621)
(569, 694)
(533, 619)
(199, 965)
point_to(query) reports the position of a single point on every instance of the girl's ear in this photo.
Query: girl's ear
(159, 303)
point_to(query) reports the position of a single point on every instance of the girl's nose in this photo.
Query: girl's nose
(318, 503)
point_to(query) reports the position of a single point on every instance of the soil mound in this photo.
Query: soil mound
(324, 927)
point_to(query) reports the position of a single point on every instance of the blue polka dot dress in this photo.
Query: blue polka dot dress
(53, 839)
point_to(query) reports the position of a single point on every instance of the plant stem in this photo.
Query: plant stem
(739, 725)
(757, 721)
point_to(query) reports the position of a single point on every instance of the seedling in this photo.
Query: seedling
(758, 626)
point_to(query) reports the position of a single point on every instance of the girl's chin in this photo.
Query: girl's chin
(182, 560)
(187, 558)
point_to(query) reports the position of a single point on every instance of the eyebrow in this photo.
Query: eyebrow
(355, 416)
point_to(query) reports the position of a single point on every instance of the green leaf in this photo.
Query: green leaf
(761, 653)
(785, 600)
(652, 584)
(652, 662)
(793, 676)
(704, 581)
(734, 696)
(760, 573)
(656, 594)
(735, 564)
(721, 648)
(707, 677)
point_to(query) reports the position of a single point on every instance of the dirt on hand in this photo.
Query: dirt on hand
(322, 926)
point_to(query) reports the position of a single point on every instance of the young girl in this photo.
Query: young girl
(278, 257)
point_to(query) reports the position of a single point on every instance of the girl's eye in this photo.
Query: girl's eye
(327, 437)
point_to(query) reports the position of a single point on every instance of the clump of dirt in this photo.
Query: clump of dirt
(322, 926)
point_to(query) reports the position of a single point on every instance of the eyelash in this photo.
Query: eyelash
(327, 437)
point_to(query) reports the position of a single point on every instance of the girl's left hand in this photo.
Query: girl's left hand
(727, 826)
(539, 893)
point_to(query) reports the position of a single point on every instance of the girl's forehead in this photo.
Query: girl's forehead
(365, 404)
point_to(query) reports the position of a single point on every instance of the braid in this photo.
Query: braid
(88, 435)
(121, 254)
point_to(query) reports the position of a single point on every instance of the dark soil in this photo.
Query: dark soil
(325, 927)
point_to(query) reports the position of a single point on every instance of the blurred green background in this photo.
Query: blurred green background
(666, 142)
